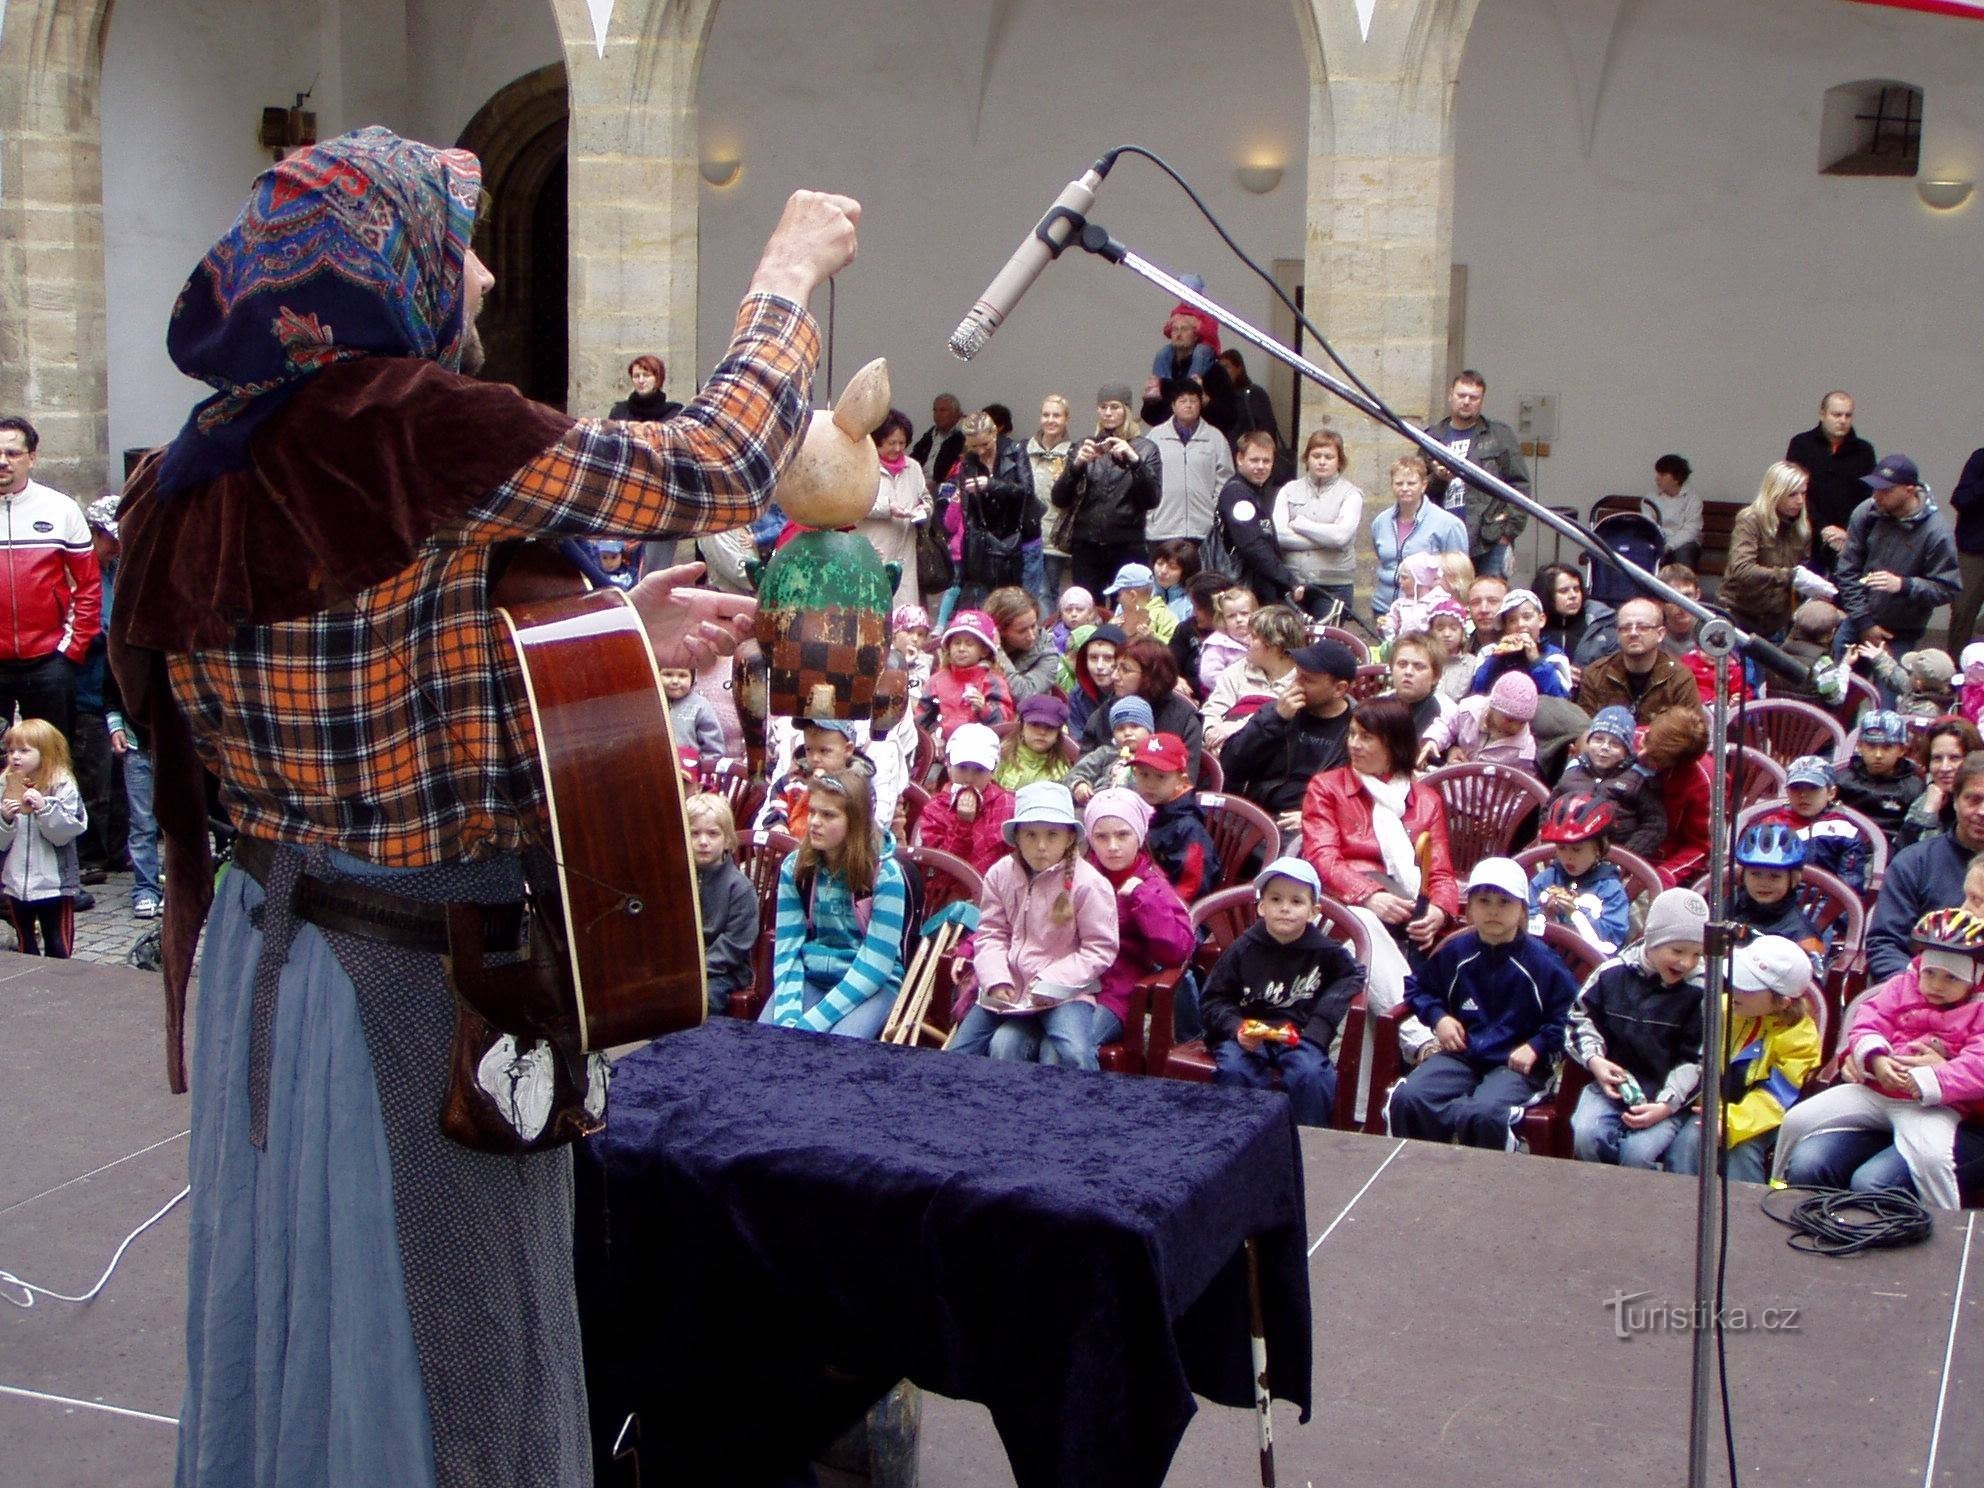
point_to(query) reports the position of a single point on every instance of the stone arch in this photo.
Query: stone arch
(520, 135)
(52, 344)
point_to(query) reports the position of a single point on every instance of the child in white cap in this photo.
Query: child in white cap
(1046, 934)
(967, 816)
(1497, 999)
(1272, 1005)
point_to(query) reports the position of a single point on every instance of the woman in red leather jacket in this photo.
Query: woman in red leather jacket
(1376, 836)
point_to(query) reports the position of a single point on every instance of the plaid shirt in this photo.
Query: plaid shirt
(393, 727)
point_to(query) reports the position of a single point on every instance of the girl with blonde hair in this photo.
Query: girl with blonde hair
(41, 816)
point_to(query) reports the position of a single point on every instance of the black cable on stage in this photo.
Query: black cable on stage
(1840, 1222)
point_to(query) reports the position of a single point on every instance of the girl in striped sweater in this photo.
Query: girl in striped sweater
(842, 904)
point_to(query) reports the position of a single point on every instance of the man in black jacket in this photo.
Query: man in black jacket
(942, 444)
(1835, 458)
(1244, 530)
(1271, 761)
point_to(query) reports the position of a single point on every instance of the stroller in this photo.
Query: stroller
(1634, 537)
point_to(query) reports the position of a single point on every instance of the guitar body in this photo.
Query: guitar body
(631, 928)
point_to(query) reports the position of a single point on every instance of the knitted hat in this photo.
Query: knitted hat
(1297, 870)
(1131, 710)
(1045, 803)
(1502, 875)
(1615, 722)
(1771, 963)
(1044, 707)
(1675, 914)
(1514, 696)
(1931, 667)
(1447, 605)
(1079, 595)
(972, 744)
(909, 617)
(976, 624)
(1165, 752)
(1116, 392)
(1125, 806)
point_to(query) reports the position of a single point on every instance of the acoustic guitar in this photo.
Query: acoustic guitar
(615, 949)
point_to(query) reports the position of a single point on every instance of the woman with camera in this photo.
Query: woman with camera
(1111, 483)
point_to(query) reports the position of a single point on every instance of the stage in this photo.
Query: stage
(1463, 1332)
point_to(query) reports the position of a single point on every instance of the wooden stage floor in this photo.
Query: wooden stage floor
(1462, 1327)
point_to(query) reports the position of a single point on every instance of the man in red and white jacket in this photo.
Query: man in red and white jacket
(51, 594)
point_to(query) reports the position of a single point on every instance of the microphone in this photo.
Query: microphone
(1035, 252)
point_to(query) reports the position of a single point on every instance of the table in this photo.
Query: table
(776, 1226)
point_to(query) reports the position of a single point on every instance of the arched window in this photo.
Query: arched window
(1871, 128)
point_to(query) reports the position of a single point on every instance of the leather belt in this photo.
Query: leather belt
(354, 908)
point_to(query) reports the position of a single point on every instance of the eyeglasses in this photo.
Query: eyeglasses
(1634, 627)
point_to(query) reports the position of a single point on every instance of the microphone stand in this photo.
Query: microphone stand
(1719, 638)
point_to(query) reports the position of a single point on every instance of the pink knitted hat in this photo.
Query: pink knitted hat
(1514, 695)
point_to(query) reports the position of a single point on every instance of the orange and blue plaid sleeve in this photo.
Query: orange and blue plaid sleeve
(709, 468)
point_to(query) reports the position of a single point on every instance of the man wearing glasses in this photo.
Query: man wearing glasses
(1640, 675)
(53, 605)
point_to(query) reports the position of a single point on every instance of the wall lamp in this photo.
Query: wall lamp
(1944, 193)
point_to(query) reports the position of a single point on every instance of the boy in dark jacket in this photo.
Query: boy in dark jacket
(1605, 767)
(1881, 781)
(1496, 998)
(1178, 841)
(1272, 1004)
(1637, 1027)
(728, 903)
(1833, 840)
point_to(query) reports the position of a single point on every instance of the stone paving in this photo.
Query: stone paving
(104, 934)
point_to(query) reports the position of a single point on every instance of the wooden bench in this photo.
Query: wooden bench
(1718, 520)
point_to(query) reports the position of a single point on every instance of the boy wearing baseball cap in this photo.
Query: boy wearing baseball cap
(1881, 781)
(1770, 1048)
(1273, 1002)
(1636, 1027)
(1497, 999)
(1138, 609)
(1833, 840)
(827, 745)
(1178, 840)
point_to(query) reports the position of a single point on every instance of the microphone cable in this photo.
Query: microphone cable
(1840, 1222)
(29, 1291)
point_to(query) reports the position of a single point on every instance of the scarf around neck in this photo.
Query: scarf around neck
(1388, 825)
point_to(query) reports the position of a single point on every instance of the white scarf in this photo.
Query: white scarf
(1388, 823)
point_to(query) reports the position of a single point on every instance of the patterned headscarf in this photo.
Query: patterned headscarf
(352, 248)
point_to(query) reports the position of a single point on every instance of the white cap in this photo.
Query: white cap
(1973, 660)
(973, 744)
(1296, 870)
(1503, 875)
(1045, 803)
(1771, 963)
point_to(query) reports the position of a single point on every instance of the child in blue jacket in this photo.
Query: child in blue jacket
(1497, 1000)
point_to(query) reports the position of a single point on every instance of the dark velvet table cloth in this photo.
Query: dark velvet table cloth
(776, 1226)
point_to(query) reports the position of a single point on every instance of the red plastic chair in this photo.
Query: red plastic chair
(732, 779)
(914, 798)
(1239, 828)
(1372, 678)
(760, 855)
(927, 769)
(1545, 1128)
(1639, 876)
(1763, 778)
(945, 879)
(1212, 775)
(1785, 728)
(1861, 695)
(1487, 807)
(1356, 643)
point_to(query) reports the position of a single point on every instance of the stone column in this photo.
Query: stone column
(52, 346)
(1379, 248)
(633, 197)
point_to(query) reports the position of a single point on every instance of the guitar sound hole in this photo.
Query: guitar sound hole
(635, 905)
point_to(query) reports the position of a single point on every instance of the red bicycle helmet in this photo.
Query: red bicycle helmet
(1577, 818)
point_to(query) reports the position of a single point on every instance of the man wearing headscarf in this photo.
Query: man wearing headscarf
(305, 610)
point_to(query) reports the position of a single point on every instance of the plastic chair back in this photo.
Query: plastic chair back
(1487, 806)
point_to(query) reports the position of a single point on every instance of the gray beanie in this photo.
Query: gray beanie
(1115, 392)
(1676, 914)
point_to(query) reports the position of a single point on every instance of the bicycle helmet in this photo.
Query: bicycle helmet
(1955, 930)
(1770, 845)
(1577, 818)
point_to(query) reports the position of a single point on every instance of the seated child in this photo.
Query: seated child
(1447, 624)
(1916, 1065)
(1920, 682)
(1273, 1002)
(728, 903)
(1172, 564)
(909, 642)
(1770, 1048)
(1496, 998)
(1227, 646)
(1108, 766)
(966, 817)
(843, 906)
(826, 745)
(1833, 842)
(1605, 767)
(1456, 576)
(1770, 865)
(1138, 609)
(1046, 934)
(1033, 751)
(967, 688)
(1881, 781)
(691, 719)
(1970, 701)
(1637, 1028)
(1493, 729)
(1153, 926)
(1179, 841)
(1813, 625)
(1088, 671)
(1521, 647)
(1077, 609)
(1419, 589)
(1581, 888)
(1273, 636)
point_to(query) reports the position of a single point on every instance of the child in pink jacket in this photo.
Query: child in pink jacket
(1046, 934)
(1917, 1065)
(1152, 922)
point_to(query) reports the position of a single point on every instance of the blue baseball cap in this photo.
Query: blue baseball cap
(1885, 726)
(1811, 769)
(1132, 576)
(1296, 870)
(1895, 470)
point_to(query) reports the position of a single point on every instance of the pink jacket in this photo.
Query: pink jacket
(1155, 930)
(1466, 730)
(1896, 1019)
(946, 687)
(1018, 942)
